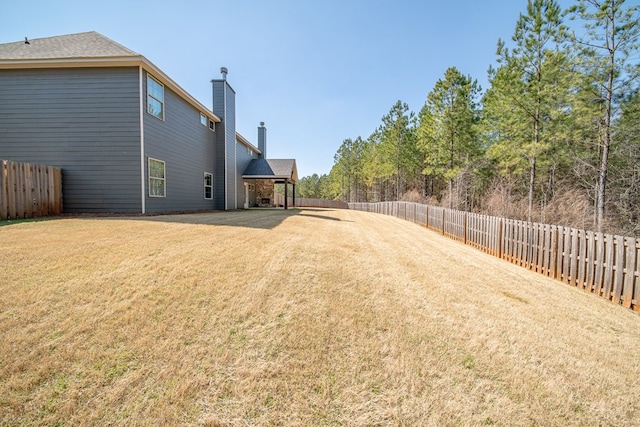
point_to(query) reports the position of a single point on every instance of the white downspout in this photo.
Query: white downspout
(142, 180)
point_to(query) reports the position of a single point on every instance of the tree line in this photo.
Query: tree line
(554, 138)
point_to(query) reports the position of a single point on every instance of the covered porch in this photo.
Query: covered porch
(260, 178)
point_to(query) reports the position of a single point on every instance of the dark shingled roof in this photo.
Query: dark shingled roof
(272, 168)
(81, 45)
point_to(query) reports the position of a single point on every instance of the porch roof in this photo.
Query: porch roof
(282, 170)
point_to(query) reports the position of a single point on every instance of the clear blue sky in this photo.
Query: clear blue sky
(316, 72)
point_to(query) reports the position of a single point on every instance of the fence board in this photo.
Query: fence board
(512, 242)
(618, 267)
(591, 254)
(599, 264)
(582, 254)
(543, 252)
(636, 290)
(553, 251)
(608, 269)
(525, 238)
(4, 196)
(513, 239)
(630, 269)
(568, 239)
(574, 257)
(535, 248)
(560, 253)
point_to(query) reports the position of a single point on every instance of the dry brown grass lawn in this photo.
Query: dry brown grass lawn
(303, 318)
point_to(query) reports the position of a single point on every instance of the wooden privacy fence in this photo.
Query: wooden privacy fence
(29, 191)
(604, 264)
(311, 203)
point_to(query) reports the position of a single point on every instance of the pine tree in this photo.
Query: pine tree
(525, 100)
(397, 146)
(447, 128)
(609, 51)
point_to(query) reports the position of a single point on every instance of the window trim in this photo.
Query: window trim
(208, 186)
(203, 119)
(163, 179)
(149, 95)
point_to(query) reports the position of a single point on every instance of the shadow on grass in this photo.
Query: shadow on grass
(250, 218)
(315, 215)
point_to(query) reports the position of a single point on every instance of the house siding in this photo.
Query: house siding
(243, 158)
(187, 148)
(232, 177)
(85, 121)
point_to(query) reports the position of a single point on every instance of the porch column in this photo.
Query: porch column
(294, 195)
(286, 196)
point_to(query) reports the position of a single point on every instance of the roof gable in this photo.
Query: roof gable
(81, 45)
(282, 167)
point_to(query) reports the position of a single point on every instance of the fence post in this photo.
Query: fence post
(464, 227)
(426, 213)
(500, 225)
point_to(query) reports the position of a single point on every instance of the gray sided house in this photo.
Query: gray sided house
(127, 137)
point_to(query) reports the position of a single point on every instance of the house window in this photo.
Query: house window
(208, 185)
(212, 125)
(203, 119)
(155, 98)
(157, 182)
(250, 151)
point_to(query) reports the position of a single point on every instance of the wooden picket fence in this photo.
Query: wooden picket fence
(29, 191)
(604, 264)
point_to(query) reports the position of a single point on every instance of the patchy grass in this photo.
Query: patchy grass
(5, 222)
(305, 317)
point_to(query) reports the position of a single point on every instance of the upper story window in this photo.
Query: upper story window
(204, 121)
(155, 98)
